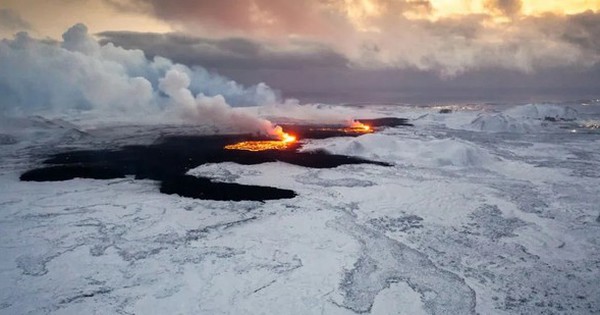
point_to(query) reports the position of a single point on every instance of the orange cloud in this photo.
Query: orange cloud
(447, 36)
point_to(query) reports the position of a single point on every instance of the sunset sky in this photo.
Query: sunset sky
(351, 50)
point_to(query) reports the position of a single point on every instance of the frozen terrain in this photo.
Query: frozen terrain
(486, 209)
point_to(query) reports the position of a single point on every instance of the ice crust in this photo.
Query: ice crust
(494, 218)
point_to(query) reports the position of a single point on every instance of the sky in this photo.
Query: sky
(353, 51)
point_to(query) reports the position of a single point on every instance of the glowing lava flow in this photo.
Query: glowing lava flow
(355, 127)
(285, 141)
(358, 127)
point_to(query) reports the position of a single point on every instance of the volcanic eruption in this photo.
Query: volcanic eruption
(285, 140)
(352, 128)
(358, 127)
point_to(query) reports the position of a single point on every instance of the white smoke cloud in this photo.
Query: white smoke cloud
(80, 75)
(212, 110)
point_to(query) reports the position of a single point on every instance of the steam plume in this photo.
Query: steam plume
(80, 75)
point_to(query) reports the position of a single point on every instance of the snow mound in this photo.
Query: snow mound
(503, 123)
(543, 112)
(424, 153)
(521, 119)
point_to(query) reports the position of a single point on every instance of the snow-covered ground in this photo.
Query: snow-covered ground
(486, 209)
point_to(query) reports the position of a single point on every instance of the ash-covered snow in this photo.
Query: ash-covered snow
(486, 209)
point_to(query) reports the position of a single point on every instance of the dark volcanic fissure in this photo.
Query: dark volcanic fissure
(168, 161)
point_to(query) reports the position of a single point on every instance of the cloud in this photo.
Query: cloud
(390, 50)
(581, 29)
(386, 33)
(505, 7)
(79, 74)
(11, 20)
(229, 53)
(257, 16)
(555, 60)
(425, 87)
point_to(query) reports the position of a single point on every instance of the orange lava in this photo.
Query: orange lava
(359, 127)
(354, 128)
(286, 140)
